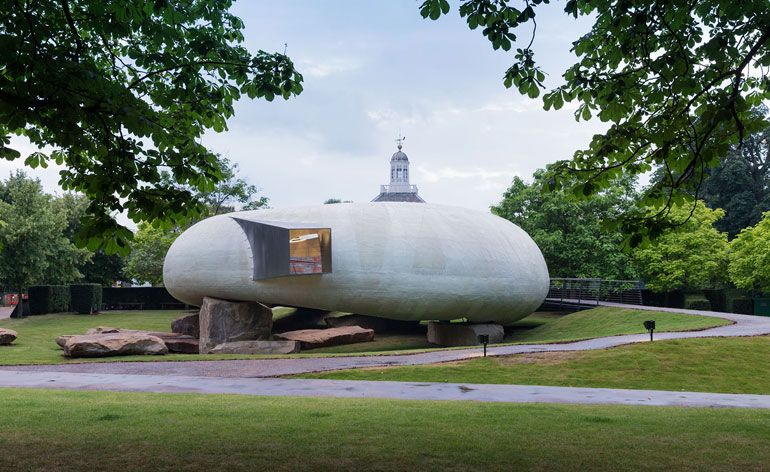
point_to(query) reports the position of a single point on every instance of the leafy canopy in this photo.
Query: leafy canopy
(750, 257)
(675, 81)
(121, 91)
(35, 247)
(148, 251)
(570, 233)
(691, 255)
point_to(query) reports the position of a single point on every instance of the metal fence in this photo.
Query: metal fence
(582, 292)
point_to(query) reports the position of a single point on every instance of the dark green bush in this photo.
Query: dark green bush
(695, 302)
(743, 306)
(86, 298)
(48, 299)
(718, 299)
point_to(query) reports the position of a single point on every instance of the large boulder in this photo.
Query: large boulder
(379, 325)
(461, 334)
(223, 321)
(62, 340)
(114, 344)
(181, 344)
(257, 347)
(189, 324)
(7, 336)
(314, 338)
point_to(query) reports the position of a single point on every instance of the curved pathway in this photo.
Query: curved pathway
(744, 325)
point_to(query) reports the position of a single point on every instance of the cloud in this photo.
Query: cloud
(321, 69)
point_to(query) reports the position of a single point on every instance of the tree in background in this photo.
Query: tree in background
(675, 81)
(332, 201)
(692, 255)
(124, 90)
(148, 251)
(569, 232)
(740, 184)
(35, 249)
(100, 267)
(750, 257)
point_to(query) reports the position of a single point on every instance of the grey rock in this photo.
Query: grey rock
(456, 334)
(189, 324)
(301, 318)
(114, 344)
(223, 321)
(313, 338)
(182, 344)
(257, 347)
(7, 336)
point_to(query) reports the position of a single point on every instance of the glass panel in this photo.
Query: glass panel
(309, 251)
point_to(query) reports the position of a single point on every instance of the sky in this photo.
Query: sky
(373, 69)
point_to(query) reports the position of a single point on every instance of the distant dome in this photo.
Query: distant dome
(399, 156)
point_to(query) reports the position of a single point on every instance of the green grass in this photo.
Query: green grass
(102, 431)
(608, 321)
(729, 365)
(36, 345)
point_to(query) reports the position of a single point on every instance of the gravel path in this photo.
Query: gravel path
(744, 325)
(390, 390)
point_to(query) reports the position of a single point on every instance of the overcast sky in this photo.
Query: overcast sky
(376, 67)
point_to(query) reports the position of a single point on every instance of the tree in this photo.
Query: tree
(332, 201)
(123, 90)
(676, 81)
(148, 251)
(230, 192)
(740, 184)
(99, 267)
(569, 232)
(693, 255)
(35, 249)
(750, 257)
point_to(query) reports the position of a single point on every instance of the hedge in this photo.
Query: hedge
(48, 299)
(743, 306)
(86, 298)
(152, 298)
(696, 302)
(718, 299)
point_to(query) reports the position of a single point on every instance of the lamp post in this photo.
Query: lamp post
(649, 325)
(484, 339)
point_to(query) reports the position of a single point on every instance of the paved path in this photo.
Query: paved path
(5, 312)
(744, 325)
(389, 390)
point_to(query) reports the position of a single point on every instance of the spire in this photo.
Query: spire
(400, 140)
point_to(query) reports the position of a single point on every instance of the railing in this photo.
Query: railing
(582, 292)
(398, 188)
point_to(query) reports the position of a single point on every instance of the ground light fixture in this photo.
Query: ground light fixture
(484, 339)
(649, 325)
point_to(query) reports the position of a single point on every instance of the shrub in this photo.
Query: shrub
(48, 299)
(743, 306)
(718, 299)
(86, 298)
(696, 302)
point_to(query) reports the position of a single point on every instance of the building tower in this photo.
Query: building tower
(399, 189)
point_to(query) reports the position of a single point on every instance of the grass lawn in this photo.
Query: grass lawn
(730, 365)
(102, 431)
(36, 345)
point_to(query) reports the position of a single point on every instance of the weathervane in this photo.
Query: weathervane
(400, 140)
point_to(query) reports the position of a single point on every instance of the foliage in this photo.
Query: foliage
(100, 267)
(740, 184)
(675, 81)
(48, 299)
(568, 232)
(86, 298)
(231, 193)
(121, 91)
(148, 251)
(750, 257)
(693, 255)
(331, 201)
(35, 249)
